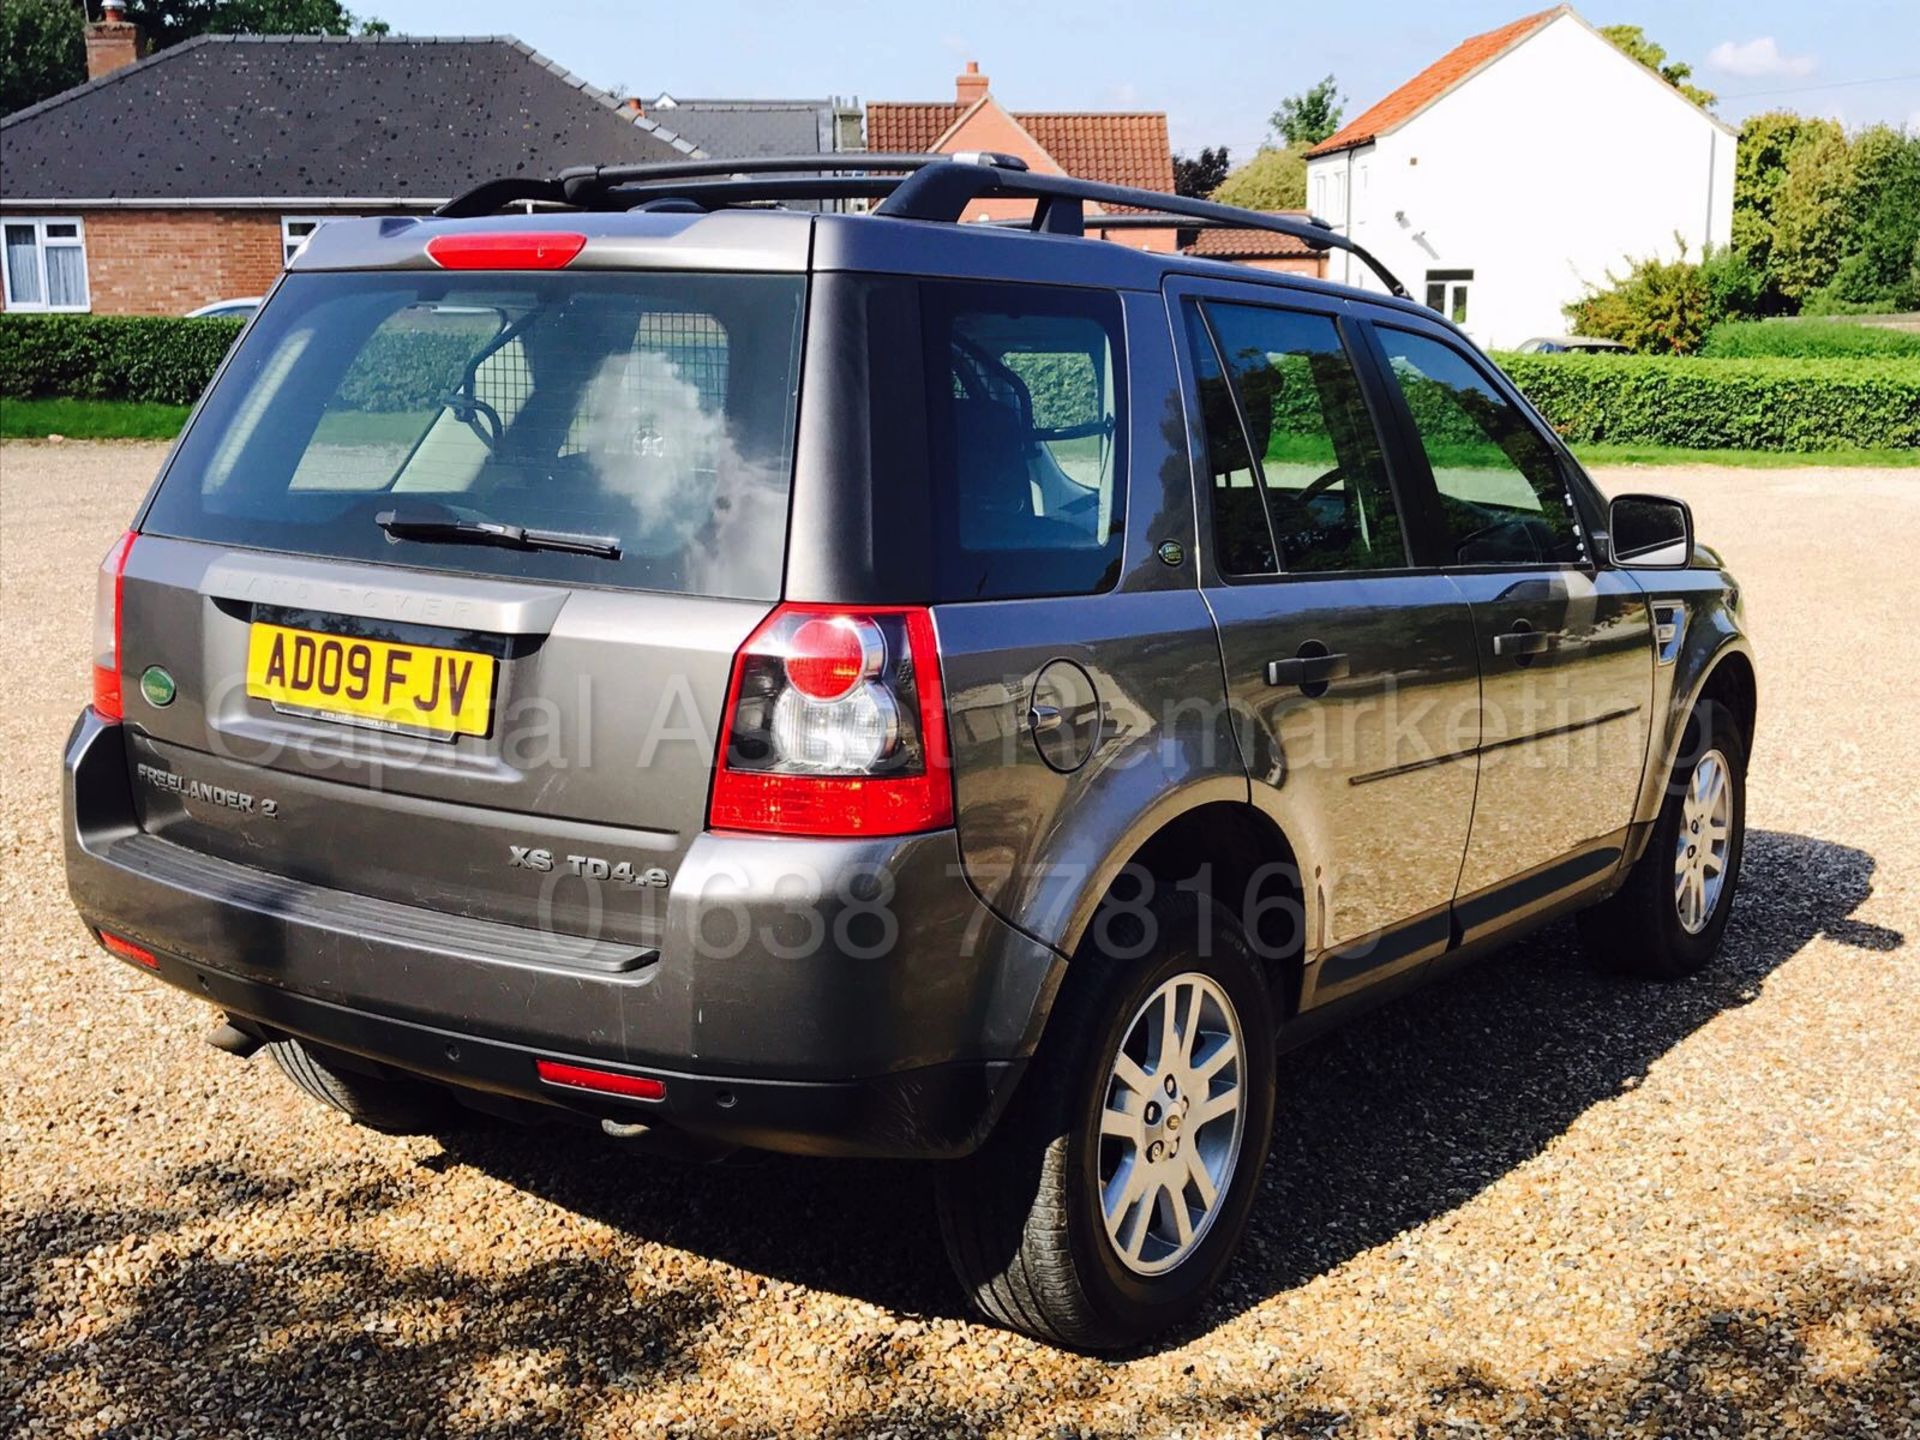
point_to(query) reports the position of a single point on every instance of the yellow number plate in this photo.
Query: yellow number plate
(417, 688)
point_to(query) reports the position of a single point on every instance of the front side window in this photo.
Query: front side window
(650, 414)
(1503, 495)
(1024, 408)
(1316, 489)
(45, 265)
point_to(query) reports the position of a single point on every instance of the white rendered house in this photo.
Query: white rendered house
(1517, 170)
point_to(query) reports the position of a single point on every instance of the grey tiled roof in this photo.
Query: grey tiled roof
(732, 129)
(313, 118)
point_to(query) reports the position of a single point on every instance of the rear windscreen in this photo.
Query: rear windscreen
(650, 414)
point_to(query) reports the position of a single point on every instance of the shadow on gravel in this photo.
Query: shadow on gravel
(1398, 1117)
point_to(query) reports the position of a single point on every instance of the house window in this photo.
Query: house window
(46, 265)
(1447, 293)
(294, 230)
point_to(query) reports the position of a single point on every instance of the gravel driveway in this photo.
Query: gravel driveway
(1531, 1202)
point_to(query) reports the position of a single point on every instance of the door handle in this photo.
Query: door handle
(1517, 643)
(1308, 670)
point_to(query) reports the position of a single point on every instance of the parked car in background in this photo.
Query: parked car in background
(1567, 344)
(875, 685)
(227, 309)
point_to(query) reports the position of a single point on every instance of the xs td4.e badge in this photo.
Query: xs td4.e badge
(586, 867)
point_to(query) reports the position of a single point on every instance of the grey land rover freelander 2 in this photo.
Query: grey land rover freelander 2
(866, 684)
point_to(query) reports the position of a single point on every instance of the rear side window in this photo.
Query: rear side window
(654, 411)
(1502, 493)
(1297, 478)
(1027, 432)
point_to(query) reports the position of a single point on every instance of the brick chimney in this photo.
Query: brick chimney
(113, 42)
(970, 85)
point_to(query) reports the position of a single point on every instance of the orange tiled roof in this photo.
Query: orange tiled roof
(1431, 83)
(1121, 148)
(1226, 244)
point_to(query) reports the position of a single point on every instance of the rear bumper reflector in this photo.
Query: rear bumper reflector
(127, 950)
(607, 1082)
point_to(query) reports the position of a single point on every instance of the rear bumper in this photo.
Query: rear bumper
(900, 1032)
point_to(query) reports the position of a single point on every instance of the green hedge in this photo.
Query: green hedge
(1807, 340)
(1768, 404)
(111, 357)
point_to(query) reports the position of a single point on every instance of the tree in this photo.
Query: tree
(1666, 307)
(1633, 40)
(168, 22)
(1767, 145)
(1304, 120)
(43, 51)
(43, 48)
(1198, 176)
(1881, 227)
(1810, 213)
(1274, 179)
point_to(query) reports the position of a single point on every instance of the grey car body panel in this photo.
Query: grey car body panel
(607, 711)
(1042, 846)
(1372, 783)
(771, 241)
(1563, 736)
(452, 602)
(810, 961)
(1714, 636)
(756, 958)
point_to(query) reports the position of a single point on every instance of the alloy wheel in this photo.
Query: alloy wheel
(1171, 1125)
(1705, 840)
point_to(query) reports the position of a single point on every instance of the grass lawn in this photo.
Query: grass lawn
(89, 419)
(1745, 459)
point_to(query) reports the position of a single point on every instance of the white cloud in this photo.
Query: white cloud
(1913, 122)
(1758, 59)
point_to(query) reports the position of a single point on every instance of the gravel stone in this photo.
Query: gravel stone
(1534, 1202)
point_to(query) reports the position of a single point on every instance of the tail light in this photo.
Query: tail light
(835, 725)
(106, 629)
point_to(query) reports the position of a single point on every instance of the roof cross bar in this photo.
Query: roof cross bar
(942, 192)
(589, 181)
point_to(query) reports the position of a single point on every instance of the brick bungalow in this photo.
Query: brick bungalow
(171, 181)
(1120, 148)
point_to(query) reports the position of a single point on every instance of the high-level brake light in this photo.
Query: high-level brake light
(506, 250)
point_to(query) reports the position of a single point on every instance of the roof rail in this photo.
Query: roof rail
(613, 187)
(908, 186)
(943, 193)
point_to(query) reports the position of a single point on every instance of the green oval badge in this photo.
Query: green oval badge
(157, 686)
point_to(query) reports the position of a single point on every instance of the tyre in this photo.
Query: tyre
(1114, 1191)
(392, 1104)
(1665, 923)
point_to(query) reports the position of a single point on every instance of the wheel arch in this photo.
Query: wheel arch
(1726, 675)
(1243, 861)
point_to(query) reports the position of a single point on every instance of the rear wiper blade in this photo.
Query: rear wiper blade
(454, 530)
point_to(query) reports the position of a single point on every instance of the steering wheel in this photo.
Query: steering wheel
(1302, 500)
(473, 410)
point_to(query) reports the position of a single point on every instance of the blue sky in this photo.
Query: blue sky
(1217, 69)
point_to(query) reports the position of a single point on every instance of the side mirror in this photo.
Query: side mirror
(1653, 532)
